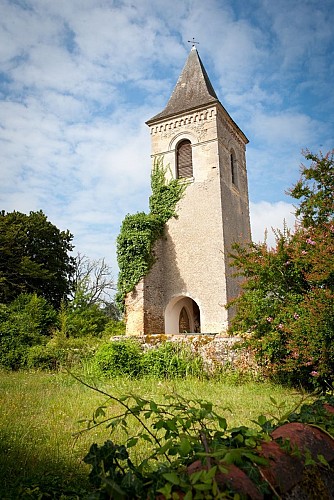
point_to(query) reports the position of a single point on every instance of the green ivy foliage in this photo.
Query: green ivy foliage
(140, 231)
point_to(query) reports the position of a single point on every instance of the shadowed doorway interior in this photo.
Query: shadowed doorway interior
(182, 315)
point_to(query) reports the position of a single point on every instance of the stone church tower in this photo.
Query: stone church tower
(191, 280)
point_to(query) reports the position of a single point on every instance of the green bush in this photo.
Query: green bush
(172, 360)
(44, 357)
(119, 358)
(61, 352)
(24, 323)
(114, 328)
(286, 306)
(13, 352)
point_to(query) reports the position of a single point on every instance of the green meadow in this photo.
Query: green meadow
(42, 413)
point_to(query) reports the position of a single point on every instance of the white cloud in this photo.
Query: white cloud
(78, 80)
(267, 217)
(284, 128)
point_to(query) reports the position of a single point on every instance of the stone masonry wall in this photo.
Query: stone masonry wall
(192, 258)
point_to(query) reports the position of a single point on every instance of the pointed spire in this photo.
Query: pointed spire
(193, 89)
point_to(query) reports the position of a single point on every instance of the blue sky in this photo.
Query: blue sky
(79, 78)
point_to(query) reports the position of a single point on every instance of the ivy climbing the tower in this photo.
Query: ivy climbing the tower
(140, 231)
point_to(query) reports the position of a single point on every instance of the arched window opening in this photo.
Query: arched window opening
(184, 163)
(184, 323)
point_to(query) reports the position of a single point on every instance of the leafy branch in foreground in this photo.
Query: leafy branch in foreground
(182, 448)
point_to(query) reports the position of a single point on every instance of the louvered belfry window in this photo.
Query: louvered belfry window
(184, 159)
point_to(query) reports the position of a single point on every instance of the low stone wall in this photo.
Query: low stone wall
(216, 350)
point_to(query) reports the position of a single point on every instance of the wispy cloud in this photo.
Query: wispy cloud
(78, 80)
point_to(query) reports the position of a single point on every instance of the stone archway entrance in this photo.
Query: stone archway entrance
(182, 315)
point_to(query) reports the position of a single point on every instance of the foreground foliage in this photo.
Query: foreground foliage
(40, 412)
(286, 307)
(191, 448)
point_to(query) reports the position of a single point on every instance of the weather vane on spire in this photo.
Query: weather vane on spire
(193, 42)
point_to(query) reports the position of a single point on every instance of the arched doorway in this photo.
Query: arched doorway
(182, 315)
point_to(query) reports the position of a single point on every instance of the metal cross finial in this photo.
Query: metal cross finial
(193, 42)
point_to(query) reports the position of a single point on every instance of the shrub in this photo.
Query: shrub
(114, 328)
(119, 358)
(43, 357)
(286, 306)
(26, 322)
(172, 360)
(61, 352)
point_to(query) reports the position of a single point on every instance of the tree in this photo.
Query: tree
(286, 306)
(93, 281)
(34, 257)
(91, 306)
(315, 190)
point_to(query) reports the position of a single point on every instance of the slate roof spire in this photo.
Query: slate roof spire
(193, 89)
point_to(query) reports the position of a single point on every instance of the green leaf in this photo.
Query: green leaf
(188, 496)
(195, 476)
(166, 490)
(322, 460)
(262, 419)
(222, 422)
(210, 474)
(185, 447)
(153, 406)
(203, 487)
(171, 477)
(146, 437)
(250, 442)
(132, 442)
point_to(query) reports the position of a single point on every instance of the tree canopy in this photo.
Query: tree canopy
(315, 190)
(34, 257)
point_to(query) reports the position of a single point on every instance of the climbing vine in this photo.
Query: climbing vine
(140, 231)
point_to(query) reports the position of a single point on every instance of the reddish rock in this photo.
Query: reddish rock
(234, 478)
(283, 470)
(286, 470)
(307, 438)
(329, 408)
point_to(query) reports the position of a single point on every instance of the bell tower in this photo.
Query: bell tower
(191, 280)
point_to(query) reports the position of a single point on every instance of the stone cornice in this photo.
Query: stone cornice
(194, 121)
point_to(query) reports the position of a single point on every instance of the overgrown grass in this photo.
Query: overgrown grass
(40, 414)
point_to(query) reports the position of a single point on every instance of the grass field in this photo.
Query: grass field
(40, 414)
